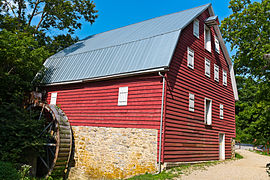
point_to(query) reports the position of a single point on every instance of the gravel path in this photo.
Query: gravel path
(251, 167)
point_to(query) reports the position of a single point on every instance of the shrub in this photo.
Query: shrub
(8, 172)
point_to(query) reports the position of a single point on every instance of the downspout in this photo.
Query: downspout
(161, 123)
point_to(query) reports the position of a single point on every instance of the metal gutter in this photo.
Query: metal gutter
(161, 122)
(162, 69)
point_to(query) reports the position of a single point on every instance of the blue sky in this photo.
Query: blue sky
(117, 13)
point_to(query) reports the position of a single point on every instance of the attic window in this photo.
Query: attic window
(207, 38)
(207, 67)
(196, 28)
(208, 111)
(122, 96)
(216, 44)
(216, 72)
(224, 77)
(53, 98)
(191, 102)
(190, 58)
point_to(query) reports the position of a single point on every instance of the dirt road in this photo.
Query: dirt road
(251, 167)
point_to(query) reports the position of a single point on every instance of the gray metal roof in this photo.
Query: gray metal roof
(137, 47)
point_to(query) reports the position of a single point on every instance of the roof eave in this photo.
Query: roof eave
(114, 76)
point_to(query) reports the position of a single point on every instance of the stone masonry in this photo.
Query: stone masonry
(113, 153)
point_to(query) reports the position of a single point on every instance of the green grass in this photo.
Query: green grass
(238, 156)
(262, 153)
(175, 172)
(162, 176)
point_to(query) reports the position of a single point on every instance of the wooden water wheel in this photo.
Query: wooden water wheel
(58, 147)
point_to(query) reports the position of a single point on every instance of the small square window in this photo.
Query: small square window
(208, 111)
(123, 96)
(207, 38)
(196, 28)
(216, 44)
(216, 72)
(207, 67)
(191, 102)
(190, 58)
(221, 111)
(53, 98)
(224, 77)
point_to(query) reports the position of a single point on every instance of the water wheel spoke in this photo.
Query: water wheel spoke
(44, 162)
(47, 152)
(50, 144)
(51, 151)
(40, 114)
(56, 129)
(46, 128)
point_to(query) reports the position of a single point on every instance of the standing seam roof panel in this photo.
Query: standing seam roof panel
(137, 47)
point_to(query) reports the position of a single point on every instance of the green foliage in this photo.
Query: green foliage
(238, 156)
(21, 58)
(20, 134)
(262, 153)
(8, 171)
(30, 32)
(25, 172)
(49, 14)
(248, 31)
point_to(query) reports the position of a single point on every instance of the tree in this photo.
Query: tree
(24, 45)
(248, 31)
(46, 14)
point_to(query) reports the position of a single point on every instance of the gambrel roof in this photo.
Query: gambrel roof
(146, 46)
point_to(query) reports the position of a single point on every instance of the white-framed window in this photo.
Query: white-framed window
(191, 102)
(196, 28)
(122, 96)
(208, 111)
(216, 44)
(53, 98)
(207, 67)
(190, 58)
(207, 38)
(221, 111)
(216, 72)
(224, 77)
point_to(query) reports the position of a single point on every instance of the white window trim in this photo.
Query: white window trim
(53, 98)
(207, 60)
(194, 28)
(188, 51)
(122, 96)
(205, 43)
(221, 111)
(225, 79)
(217, 47)
(216, 77)
(191, 102)
(205, 118)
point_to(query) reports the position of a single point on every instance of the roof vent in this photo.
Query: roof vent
(211, 21)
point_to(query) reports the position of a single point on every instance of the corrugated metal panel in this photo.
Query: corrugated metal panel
(144, 45)
(156, 52)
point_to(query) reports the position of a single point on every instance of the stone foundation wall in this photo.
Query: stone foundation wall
(111, 153)
(233, 147)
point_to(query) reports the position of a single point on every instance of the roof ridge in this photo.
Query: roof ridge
(56, 57)
(208, 4)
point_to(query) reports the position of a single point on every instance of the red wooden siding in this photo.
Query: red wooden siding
(187, 138)
(96, 103)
